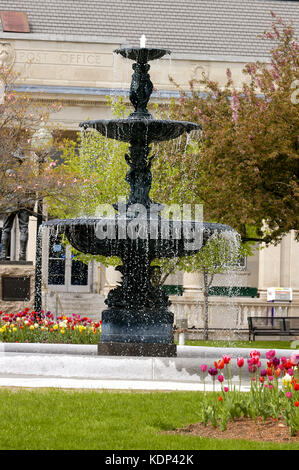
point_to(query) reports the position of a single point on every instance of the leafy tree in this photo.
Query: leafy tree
(220, 255)
(23, 174)
(99, 164)
(245, 167)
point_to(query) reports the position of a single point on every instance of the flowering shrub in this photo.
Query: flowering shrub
(31, 327)
(274, 391)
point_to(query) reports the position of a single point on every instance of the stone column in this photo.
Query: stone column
(192, 284)
(269, 269)
(279, 266)
(285, 261)
(111, 279)
(190, 308)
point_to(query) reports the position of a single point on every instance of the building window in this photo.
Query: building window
(79, 273)
(63, 270)
(56, 267)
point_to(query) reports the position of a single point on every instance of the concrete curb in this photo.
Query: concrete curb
(82, 362)
(43, 348)
(202, 352)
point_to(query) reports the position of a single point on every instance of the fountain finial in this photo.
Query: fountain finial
(142, 41)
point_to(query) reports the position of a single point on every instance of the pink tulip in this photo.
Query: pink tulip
(289, 394)
(294, 359)
(255, 353)
(203, 367)
(226, 359)
(220, 378)
(270, 354)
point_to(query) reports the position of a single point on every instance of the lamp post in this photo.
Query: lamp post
(41, 141)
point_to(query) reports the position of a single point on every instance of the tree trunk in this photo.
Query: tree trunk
(206, 288)
(206, 305)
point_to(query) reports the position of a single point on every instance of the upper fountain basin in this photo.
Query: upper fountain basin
(118, 237)
(142, 55)
(136, 130)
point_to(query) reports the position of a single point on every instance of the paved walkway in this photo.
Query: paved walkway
(94, 384)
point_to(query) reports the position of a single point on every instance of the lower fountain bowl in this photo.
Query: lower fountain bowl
(116, 237)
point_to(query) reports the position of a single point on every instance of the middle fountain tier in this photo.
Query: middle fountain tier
(137, 320)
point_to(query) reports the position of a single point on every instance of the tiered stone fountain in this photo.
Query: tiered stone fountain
(137, 321)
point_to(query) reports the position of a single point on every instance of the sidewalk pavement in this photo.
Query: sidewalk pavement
(101, 385)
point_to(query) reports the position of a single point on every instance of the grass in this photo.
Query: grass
(92, 420)
(241, 344)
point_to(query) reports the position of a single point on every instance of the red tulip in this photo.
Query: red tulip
(219, 364)
(226, 359)
(240, 361)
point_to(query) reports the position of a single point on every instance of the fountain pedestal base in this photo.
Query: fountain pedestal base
(137, 349)
(144, 332)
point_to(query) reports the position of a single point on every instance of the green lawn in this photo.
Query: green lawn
(242, 344)
(91, 420)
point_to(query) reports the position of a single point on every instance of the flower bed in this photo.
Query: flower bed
(274, 391)
(31, 327)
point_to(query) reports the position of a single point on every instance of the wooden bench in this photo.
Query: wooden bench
(273, 326)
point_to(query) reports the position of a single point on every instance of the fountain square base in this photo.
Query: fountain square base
(137, 349)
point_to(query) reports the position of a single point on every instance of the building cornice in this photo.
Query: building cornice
(87, 91)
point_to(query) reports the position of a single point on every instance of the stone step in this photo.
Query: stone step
(72, 302)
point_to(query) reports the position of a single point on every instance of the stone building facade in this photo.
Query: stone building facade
(68, 56)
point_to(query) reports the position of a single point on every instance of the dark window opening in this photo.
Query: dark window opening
(79, 273)
(56, 267)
